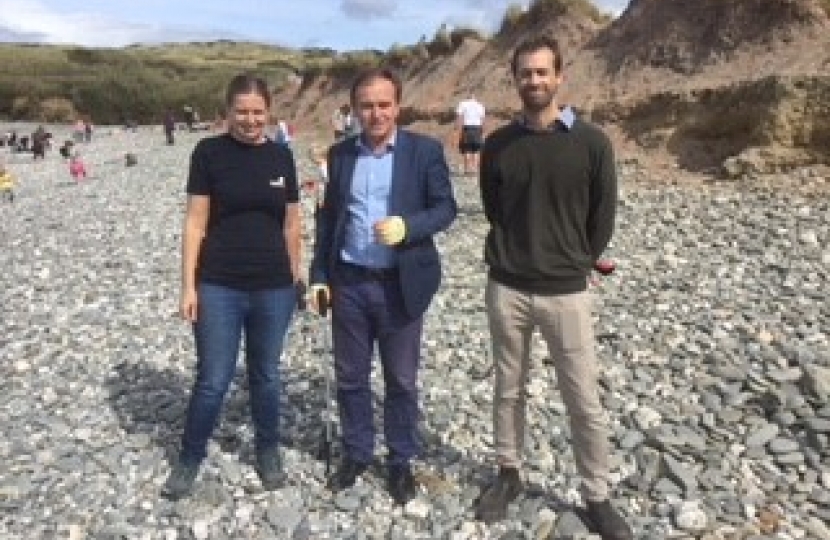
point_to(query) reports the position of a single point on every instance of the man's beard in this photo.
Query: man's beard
(535, 102)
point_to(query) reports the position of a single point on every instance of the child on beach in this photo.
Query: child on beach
(77, 168)
(6, 184)
(316, 186)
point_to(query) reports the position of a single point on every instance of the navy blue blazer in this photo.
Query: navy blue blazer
(421, 194)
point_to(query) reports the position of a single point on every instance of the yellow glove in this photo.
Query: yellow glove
(314, 294)
(390, 231)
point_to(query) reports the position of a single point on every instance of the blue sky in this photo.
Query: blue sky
(338, 24)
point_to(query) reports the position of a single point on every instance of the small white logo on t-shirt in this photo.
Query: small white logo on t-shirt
(279, 182)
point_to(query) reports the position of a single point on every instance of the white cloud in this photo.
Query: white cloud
(346, 24)
(31, 21)
(369, 9)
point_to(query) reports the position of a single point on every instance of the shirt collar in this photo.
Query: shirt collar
(361, 145)
(567, 117)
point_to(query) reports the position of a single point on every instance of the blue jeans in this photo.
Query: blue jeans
(223, 313)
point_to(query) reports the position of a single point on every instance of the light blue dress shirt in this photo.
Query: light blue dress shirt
(369, 203)
(567, 117)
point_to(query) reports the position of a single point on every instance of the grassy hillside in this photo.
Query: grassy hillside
(58, 83)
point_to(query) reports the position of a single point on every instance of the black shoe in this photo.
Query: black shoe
(269, 469)
(180, 482)
(346, 475)
(607, 522)
(492, 505)
(401, 484)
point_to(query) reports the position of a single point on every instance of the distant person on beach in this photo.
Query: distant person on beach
(40, 141)
(77, 167)
(375, 258)
(549, 192)
(470, 115)
(66, 149)
(351, 122)
(191, 117)
(283, 134)
(240, 267)
(22, 144)
(88, 129)
(79, 131)
(7, 182)
(338, 122)
(316, 185)
(169, 127)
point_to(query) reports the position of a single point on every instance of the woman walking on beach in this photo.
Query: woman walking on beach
(240, 262)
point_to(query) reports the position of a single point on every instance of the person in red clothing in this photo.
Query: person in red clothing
(77, 167)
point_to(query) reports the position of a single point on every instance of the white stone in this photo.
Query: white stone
(646, 417)
(22, 366)
(689, 516)
(417, 508)
(200, 529)
(76, 532)
(817, 528)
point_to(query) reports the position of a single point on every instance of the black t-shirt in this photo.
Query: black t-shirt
(249, 187)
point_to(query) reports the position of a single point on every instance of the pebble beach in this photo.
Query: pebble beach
(713, 337)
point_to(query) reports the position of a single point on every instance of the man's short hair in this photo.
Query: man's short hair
(538, 43)
(365, 77)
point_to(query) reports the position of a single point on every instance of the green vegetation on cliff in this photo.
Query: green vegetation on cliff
(58, 83)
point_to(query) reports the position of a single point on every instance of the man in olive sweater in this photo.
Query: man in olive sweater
(549, 189)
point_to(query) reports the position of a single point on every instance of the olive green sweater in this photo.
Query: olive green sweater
(550, 198)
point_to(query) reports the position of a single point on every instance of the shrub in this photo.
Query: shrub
(441, 43)
(458, 35)
(548, 8)
(513, 16)
(57, 110)
(350, 63)
(399, 56)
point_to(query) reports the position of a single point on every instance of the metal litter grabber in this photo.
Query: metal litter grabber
(324, 450)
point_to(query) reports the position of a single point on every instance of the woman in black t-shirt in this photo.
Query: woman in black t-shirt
(240, 261)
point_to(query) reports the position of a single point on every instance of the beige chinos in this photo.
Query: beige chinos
(564, 322)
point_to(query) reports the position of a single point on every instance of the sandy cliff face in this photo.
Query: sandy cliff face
(699, 81)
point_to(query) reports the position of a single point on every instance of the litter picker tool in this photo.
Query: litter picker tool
(324, 451)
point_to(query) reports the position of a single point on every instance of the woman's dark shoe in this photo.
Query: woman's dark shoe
(269, 469)
(492, 505)
(180, 482)
(607, 522)
(346, 474)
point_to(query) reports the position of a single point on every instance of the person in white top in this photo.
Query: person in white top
(470, 115)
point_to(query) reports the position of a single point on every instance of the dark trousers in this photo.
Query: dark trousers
(367, 310)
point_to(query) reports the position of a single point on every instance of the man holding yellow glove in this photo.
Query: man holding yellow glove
(390, 231)
(375, 261)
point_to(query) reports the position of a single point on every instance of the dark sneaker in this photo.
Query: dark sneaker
(401, 484)
(346, 474)
(492, 505)
(607, 522)
(180, 482)
(269, 469)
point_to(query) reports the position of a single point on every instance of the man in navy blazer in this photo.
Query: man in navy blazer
(388, 193)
